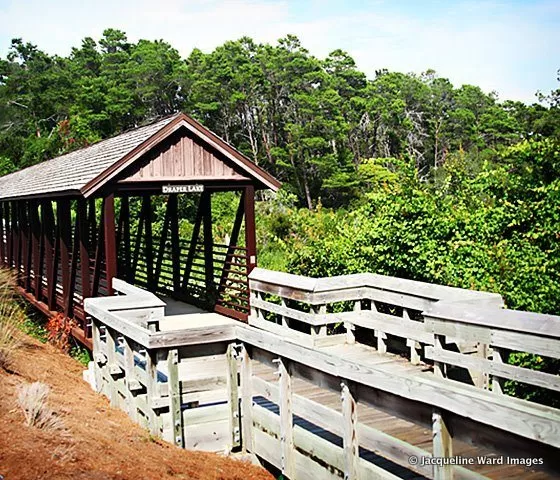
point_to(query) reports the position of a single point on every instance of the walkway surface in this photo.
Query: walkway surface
(402, 429)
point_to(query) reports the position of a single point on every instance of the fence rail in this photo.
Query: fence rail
(204, 388)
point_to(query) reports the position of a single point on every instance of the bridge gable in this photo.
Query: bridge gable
(183, 157)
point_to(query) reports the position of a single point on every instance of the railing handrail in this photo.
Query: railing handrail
(504, 319)
(412, 288)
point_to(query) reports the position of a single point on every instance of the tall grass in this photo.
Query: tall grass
(11, 319)
(32, 398)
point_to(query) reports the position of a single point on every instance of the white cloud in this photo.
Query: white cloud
(500, 47)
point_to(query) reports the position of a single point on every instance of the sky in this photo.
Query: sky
(510, 47)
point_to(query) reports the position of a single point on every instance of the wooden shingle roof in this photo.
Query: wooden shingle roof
(84, 171)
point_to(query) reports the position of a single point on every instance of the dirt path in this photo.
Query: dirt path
(98, 442)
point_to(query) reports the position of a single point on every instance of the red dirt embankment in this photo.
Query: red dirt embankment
(97, 442)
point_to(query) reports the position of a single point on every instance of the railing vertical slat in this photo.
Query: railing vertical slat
(442, 445)
(174, 389)
(350, 441)
(246, 400)
(286, 419)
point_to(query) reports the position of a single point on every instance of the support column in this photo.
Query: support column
(125, 213)
(64, 229)
(250, 233)
(69, 305)
(51, 256)
(149, 242)
(24, 241)
(16, 237)
(36, 247)
(2, 232)
(208, 242)
(10, 233)
(109, 241)
(84, 248)
(175, 248)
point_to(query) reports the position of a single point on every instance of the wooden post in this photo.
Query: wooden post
(480, 377)
(162, 242)
(2, 233)
(64, 229)
(319, 330)
(25, 250)
(233, 397)
(442, 445)
(284, 319)
(125, 212)
(112, 366)
(381, 341)
(147, 207)
(36, 247)
(99, 358)
(286, 420)
(132, 383)
(246, 401)
(51, 251)
(152, 392)
(99, 252)
(17, 237)
(92, 222)
(109, 241)
(499, 356)
(175, 247)
(250, 231)
(439, 367)
(413, 345)
(174, 392)
(84, 248)
(10, 233)
(73, 271)
(350, 441)
(208, 243)
(350, 327)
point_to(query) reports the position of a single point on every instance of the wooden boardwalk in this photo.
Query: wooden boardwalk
(321, 404)
(396, 427)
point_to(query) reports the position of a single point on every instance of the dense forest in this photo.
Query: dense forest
(400, 174)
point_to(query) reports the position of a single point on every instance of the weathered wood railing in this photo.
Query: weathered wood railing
(199, 387)
(363, 306)
(498, 332)
(176, 383)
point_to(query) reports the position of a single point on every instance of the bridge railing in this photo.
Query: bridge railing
(500, 332)
(203, 388)
(381, 311)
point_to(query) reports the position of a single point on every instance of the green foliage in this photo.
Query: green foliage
(309, 121)
(80, 354)
(34, 326)
(490, 226)
(400, 174)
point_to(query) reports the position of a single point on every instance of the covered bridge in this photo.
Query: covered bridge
(71, 224)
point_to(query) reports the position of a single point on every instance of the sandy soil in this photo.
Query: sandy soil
(96, 442)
